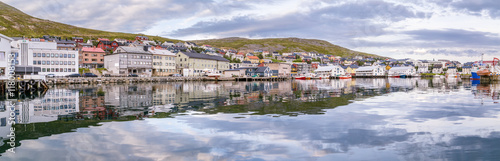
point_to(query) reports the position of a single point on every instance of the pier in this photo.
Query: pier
(22, 89)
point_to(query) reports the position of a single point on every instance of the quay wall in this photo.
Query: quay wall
(106, 80)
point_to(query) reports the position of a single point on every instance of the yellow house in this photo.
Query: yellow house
(351, 69)
(252, 59)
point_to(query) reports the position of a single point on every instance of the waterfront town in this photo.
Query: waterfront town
(52, 56)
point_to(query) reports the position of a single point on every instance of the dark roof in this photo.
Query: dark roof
(261, 69)
(354, 66)
(247, 62)
(234, 69)
(65, 42)
(204, 56)
(106, 42)
(123, 44)
(467, 67)
(452, 67)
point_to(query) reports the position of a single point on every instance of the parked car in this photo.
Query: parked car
(133, 75)
(50, 75)
(89, 75)
(175, 75)
(74, 75)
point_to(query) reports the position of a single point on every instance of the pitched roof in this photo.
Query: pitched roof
(325, 68)
(252, 57)
(204, 56)
(161, 52)
(367, 68)
(95, 50)
(261, 69)
(106, 42)
(128, 49)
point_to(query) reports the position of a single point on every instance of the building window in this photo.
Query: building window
(39, 62)
(34, 54)
(34, 62)
(39, 54)
(57, 55)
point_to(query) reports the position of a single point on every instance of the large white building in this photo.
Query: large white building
(46, 56)
(370, 71)
(397, 71)
(330, 70)
(5, 50)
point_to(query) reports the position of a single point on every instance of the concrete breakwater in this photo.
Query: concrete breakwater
(107, 80)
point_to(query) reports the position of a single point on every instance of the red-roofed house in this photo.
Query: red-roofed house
(108, 45)
(252, 59)
(102, 39)
(91, 57)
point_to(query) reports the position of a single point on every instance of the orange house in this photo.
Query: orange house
(253, 59)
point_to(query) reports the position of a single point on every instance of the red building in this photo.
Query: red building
(107, 45)
(141, 38)
(77, 39)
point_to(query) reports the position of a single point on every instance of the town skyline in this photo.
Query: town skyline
(415, 29)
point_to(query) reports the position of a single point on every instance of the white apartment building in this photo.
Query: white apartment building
(5, 51)
(370, 71)
(46, 56)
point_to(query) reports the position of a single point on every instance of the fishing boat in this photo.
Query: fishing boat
(309, 76)
(347, 76)
(300, 77)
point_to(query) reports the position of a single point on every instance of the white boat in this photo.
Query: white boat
(211, 73)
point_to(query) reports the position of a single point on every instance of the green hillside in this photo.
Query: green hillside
(282, 45)
(15, 23)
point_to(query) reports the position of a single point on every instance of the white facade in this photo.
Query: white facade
(331, 70)
(5, 51)
(46, 56)
(402, 71)
(370, 71)
(163, 62)
(452, 71)
(437, 70)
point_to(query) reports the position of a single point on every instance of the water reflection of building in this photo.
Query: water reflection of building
(129, 99)
(91, 98)
(199, 95)
(56, 102)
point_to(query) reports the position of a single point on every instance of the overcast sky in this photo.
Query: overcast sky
(421, 29)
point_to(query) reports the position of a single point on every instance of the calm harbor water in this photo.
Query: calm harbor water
(360, 119)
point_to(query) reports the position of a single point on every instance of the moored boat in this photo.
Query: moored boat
(345, 76)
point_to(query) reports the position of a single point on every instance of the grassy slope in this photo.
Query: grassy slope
(282, 45)
(15, 23)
